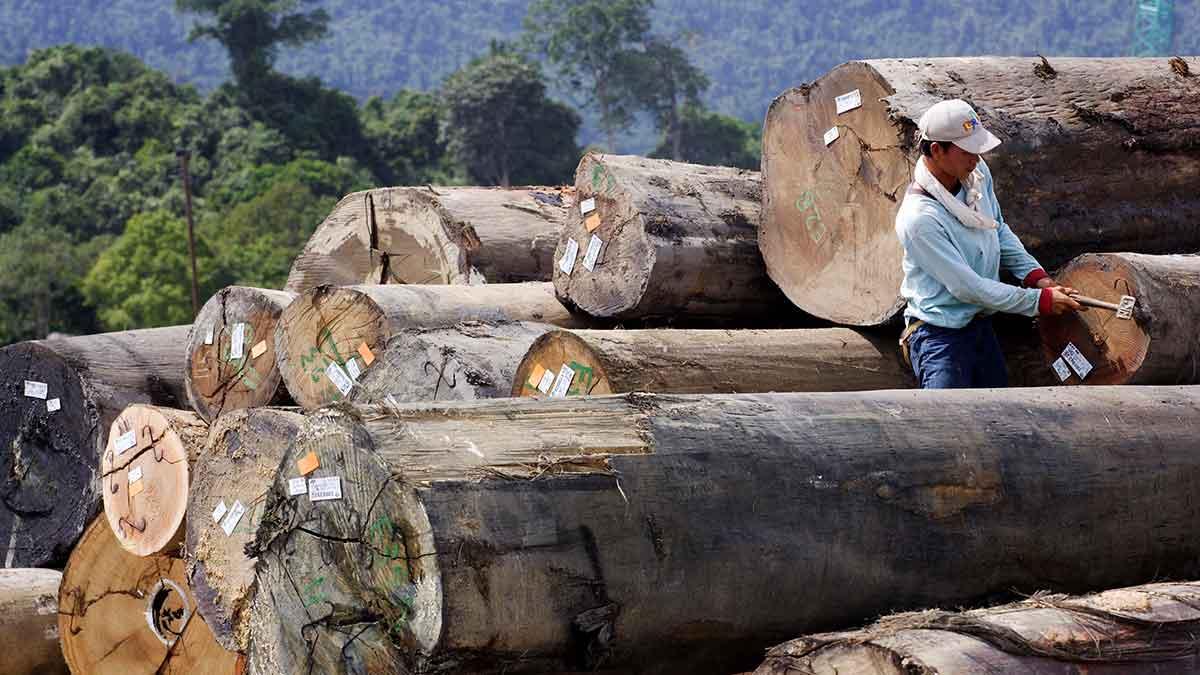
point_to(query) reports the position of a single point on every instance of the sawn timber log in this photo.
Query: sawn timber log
(29, 623)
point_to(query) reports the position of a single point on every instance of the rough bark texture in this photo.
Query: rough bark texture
(122, 614)
(687, 534)
(1098, 155)
(712, 361)
(217, 382)
(465, 362)
(29, 623)
(1160, 345)
(428, 235)
(1142, 629)
(144, 476)
(678, 241)
(345, 326)
(238, 466)
(49, 472)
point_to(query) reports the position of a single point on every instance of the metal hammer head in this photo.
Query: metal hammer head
(1125, 307)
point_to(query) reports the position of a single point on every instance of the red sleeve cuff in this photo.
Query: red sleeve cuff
(1046, 301)
(1033, 277)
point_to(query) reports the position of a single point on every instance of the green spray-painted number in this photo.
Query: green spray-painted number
(807, 206)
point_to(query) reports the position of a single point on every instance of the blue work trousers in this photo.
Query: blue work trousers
(958, 358)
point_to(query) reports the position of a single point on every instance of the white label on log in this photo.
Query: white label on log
(53, 405)
(352, 368)
(562, 383)
(848, 102)
(568, 260)
(208, 336)
(587, 206)
(339, 378)
(1078, 363)
(36, 389)
(324, 489)
(135, 474)
(237, 343)
(1060, 369)
(831, 135)
(231, 519)
(593, 253)
(219, 511)
(297, 486)
(125, 441)
(546, 382)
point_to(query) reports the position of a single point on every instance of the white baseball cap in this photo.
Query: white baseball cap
(955, 121)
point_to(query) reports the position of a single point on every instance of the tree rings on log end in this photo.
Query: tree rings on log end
(546, 360)
(827, 232)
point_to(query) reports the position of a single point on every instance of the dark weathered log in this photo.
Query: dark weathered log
(687, 533)
(231, 352)
(709, 362)
(57, 400)
(237, 467)
(144, 476)
(675, 241)
(1159, 345)
(344, 328)
(1098, 154)
(465, 362)
(435, 235)
(121, 614)
(1147, 629)
(29, 623)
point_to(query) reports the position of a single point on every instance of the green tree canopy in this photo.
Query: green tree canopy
(252, 30)
(662, 79)
(714, 139)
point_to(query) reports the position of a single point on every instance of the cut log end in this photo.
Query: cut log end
(550, 354)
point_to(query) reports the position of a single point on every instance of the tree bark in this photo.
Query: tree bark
(686, 534)
(1159, 345)
(1143, 629)
(712, 361)
(121, 614)
(238, 466)
(29, 623)
(464, 362)
(1098, 155)
(427, 235)
(49, 472)
(677, 240)
(144, 477)
(217, 382)
(344, 325)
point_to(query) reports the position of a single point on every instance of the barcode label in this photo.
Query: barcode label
(849, 101)
(1077, 361)
(231, 519)
(339, 378)
(546, 382)
(1061, 369)
(237, 343)
(593, 253)
(324, 489)
(587, 206)
(831, 136)
(562, 383)
(53, 405)
(297, 486)
(219, 511)
(125, 441)
(36, 389)
(135, 474)
(568, 260)
(352, 368)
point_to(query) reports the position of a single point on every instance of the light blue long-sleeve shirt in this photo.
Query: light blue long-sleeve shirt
(951, 271)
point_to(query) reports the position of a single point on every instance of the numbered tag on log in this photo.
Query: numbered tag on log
(237, 343)
(849, 101)
(324, 489)
(339, 378)
(562, 383)
(1077, 361)
(36, 389)
(567, 264)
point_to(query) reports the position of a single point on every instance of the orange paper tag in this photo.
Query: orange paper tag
(365, 352)
(536, 375)
(308, 464)
(592, 221)
(258, 349)
(136, 487)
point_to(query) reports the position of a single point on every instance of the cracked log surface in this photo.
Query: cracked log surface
(348, 326)
(1137, 630)
(690, 533)
(29, 622)
(49, 470)
(1158, 346)
(1098, 155)
(144, 476)
(435, 235)
(465, 362)
(679, 242)
(217, 382)
(681, 361)
(122, 614)
(238, 465)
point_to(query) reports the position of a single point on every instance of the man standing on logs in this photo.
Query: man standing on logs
(955, 243)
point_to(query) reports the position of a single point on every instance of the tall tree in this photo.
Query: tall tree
(663, 80)
(714, 139)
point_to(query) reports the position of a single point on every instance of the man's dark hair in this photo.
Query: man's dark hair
(927, 146)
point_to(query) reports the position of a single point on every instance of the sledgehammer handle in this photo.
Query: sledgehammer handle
(1092, 302)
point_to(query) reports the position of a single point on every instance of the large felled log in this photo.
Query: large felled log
(145, 476)
(467, 361)
(328, 336)
(665, 240)
(57, 401)
(231, 352)
(584, 362)
(692, 531)
(29, 622)
(1098, 155)
(428, 235)
(1159, 345)
(230, 479)
(119, 613)
(1147, 629)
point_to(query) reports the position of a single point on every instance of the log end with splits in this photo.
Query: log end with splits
(145, 476)
(561, 358)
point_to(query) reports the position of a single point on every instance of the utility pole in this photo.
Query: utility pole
(1153, 27)
(184, 156)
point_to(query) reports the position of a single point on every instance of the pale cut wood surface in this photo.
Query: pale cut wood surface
(29, 622)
